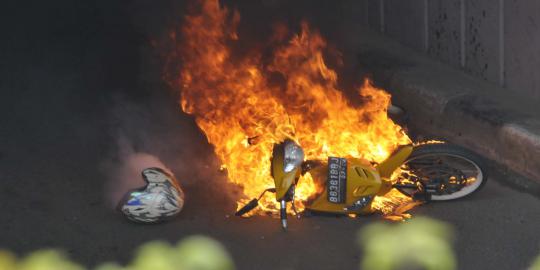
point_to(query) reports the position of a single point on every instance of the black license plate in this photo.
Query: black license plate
(337, 179)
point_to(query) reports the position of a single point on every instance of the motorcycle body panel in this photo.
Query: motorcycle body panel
(387, 167)
(362, 181)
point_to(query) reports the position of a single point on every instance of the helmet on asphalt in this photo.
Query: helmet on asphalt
(159, 200)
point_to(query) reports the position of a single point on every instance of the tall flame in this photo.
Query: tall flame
(243, 113)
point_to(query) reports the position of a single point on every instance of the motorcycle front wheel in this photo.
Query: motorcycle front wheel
(441, 172)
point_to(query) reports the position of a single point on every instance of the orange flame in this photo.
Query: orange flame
(243, 113)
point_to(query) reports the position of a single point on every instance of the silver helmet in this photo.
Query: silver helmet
(159, 200)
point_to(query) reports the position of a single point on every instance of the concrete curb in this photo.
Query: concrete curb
(454, 107)
(443, 102)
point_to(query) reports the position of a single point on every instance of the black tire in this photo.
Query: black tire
(458, 153)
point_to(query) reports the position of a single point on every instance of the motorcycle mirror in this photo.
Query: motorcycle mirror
(252, 204)
(248, 207)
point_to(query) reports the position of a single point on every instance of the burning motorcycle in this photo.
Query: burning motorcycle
(427, 172)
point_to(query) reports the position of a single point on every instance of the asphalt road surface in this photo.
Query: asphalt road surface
(75, 78)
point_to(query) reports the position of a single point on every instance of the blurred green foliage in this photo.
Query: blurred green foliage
(192, 253)
(8, 261)
(418, 243)
(536, 264)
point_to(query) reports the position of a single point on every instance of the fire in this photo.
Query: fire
(243, 112)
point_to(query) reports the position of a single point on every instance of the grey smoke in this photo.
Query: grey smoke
(155, 133)
(126, 175)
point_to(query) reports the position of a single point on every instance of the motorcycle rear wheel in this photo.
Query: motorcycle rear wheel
(455, 172)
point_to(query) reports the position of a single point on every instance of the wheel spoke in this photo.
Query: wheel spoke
(450, 173)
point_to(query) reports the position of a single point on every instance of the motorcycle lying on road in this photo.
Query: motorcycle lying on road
(426, 172)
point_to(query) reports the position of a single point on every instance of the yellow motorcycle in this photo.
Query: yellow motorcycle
(427, 172)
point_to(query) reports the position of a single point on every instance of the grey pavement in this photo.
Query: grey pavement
(74, 76)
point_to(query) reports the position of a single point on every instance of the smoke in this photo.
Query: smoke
(155, 133)
(126, 173)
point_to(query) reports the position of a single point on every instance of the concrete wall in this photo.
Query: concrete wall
(496, 40)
